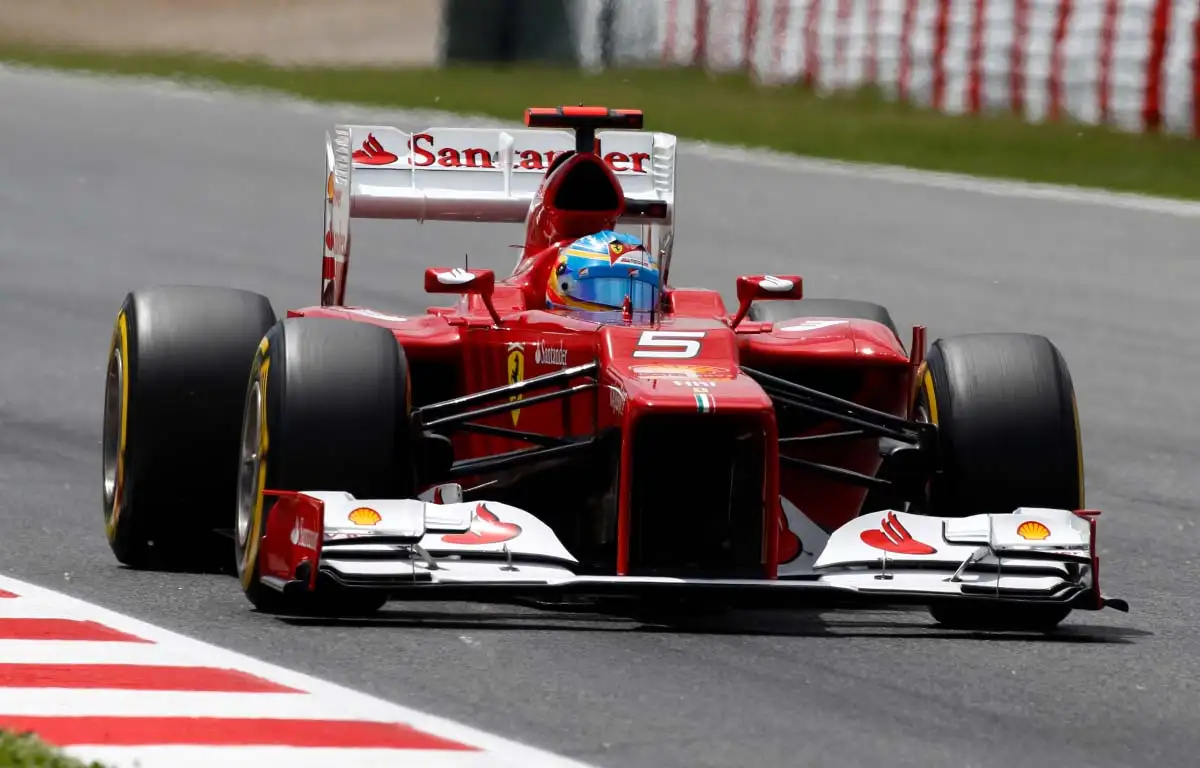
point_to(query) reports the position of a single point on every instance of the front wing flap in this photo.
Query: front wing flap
(490, 552)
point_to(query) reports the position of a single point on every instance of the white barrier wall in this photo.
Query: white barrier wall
(1132, 64)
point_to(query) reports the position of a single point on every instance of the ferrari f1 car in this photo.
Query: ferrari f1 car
(791, 453)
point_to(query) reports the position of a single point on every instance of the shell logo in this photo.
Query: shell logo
(365, 516)
(1033, 530)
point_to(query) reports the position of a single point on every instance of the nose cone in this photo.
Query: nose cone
(680, 367)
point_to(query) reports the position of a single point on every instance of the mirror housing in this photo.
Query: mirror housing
(464, 282)
(751, 288)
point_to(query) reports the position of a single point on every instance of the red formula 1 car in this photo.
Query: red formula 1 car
(791, 452)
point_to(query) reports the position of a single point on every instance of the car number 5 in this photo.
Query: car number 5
(672, 344)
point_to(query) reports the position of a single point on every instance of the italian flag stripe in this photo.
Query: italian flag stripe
(704, 403)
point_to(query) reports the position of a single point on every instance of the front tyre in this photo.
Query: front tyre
(1008, 427)
(326, 408)
(175, 381)
(1008, 431)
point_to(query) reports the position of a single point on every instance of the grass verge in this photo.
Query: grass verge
(27, 751)
(727, 108)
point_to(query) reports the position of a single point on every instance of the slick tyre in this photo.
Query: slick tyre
(1008, 432)
(326, 408)
(1008, 428)
(175, 383)
(849, 309)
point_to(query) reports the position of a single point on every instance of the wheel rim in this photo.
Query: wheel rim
(249, 465)
(113, 417)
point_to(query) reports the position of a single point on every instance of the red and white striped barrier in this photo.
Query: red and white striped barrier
(107, 687)
(1132, 64)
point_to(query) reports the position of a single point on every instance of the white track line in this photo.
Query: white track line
(319, 700)
(749, 156)
(72, 652)
(287, 706)
(780, 161)
(269, 757)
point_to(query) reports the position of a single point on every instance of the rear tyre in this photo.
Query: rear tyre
(326, 408)
(850, 309)
(176, 378)
(1009, 437)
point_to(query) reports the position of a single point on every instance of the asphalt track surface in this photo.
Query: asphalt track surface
(104, 188)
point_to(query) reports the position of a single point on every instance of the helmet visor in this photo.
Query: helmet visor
(608, 285)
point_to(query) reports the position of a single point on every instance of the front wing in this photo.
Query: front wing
(440, 548)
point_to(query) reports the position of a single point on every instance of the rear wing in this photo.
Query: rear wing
(480, 175)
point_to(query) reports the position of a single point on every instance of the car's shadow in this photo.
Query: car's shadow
(816, 624)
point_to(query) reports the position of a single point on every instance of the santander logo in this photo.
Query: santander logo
(545, 354)
(891, 536)
(486, 528)
(429, 150)
(302, 537)
(776, 284)
(373, 153)
(456, 276)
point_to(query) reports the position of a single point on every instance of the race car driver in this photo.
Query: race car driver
(597, 272)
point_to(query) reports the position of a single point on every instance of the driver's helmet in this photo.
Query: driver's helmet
(596, 273)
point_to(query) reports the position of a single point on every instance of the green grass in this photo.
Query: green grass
(728, 109)
(26, 751)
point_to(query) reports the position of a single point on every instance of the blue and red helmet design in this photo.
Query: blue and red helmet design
(596, 273)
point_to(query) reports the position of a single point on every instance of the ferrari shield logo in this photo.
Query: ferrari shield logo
(516, 373)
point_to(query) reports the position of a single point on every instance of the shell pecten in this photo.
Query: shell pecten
(1033, 530)
(365, 516)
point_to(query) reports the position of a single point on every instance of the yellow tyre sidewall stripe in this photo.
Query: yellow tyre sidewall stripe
(930, 398)
(250, 561)
(120, 339)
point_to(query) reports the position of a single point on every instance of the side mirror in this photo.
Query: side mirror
(481, 282)
(751, 288)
